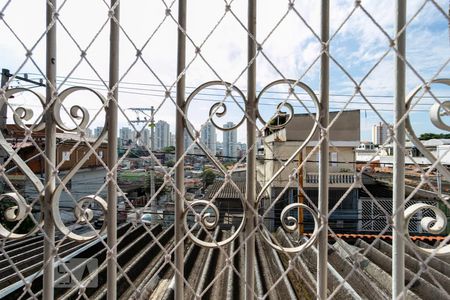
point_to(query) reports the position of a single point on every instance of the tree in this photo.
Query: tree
(428, 136)
(208, 177)
(169, 149)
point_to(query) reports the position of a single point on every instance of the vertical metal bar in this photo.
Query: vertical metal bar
(398, 255)
(300, 197)
(179, 150)
(112, 152)
(251, 154)
(3, 107)
(3, 119)
(50, 152)
(153, 206)
(322, 245)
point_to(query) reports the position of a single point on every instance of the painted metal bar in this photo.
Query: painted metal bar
(3, 117)
(50, 152)
(251, 154)
(398, 249)
(322, 244)
(153, 206)
(179, 151)
(111, 216)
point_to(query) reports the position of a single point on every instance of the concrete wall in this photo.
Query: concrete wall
(346, 127)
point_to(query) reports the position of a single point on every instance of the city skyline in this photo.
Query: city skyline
(380, 133)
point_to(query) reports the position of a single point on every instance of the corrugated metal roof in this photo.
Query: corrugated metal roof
(279, 275)
(229, 191)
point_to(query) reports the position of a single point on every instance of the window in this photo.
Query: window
(65, 155)
(333, 159)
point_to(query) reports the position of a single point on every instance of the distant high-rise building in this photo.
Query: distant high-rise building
(172, 139)
(230, 141)
(88, 132)
(162, 135)
(208, 136)
(97, 131)
(187, 141)
(380, 133)
(145, 137)
(126, 135)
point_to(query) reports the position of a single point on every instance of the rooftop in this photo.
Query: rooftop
(145, 267)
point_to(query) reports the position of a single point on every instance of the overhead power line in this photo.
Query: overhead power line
(162, 96)
(218, 89)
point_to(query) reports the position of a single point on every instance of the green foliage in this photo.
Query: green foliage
(208, 177)
(170, 163)
(429, 136)
(169, 149)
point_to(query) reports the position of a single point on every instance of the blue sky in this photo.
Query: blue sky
(290, 48)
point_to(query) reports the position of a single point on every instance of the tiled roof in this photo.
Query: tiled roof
(425, 238)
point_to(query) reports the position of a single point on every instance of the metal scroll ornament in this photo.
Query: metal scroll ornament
(208, 214)
(288, 221)
(82, 214)
(431, 225)
(203, 210)
(22, 209)
(436, 111)
(439, 223)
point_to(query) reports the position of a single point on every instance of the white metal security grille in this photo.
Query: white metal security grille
(372, 218)
(263, 221)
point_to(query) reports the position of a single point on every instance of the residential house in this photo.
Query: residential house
(279, 146)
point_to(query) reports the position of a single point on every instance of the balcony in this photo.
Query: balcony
(336, 180)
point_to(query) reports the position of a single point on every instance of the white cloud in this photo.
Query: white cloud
(291, 47)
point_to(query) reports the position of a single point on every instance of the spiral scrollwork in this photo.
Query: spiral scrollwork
(22, 114)
(285, 104)
(77, 113)
(21, 209)
(290, 224)
(15, 213)
(218, 109)
(438, 224)
(210, 211)
(82, 216)
(436, 112)
(207, 211)
(431, 225)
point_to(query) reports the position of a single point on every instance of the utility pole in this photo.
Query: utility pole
(153, 204)
(3, 106)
